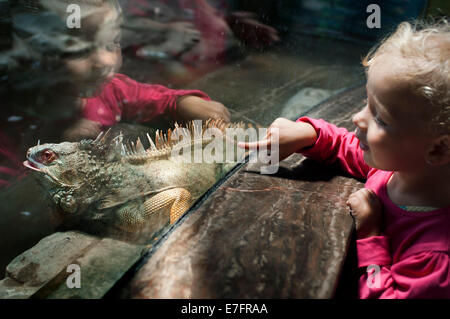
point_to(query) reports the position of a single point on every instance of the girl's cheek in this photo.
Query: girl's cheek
(373, 136)
(380, 145)
(78, 69)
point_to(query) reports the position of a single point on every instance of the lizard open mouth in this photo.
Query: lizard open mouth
(31, 165)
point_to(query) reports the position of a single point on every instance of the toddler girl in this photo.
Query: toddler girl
(401, 146)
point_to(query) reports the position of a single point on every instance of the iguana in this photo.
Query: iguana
(125, 183)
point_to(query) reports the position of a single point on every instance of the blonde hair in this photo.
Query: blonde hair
(426, 46)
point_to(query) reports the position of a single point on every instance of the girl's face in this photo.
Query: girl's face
(391, 127)
(92, 69)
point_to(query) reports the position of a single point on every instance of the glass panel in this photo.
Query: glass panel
(73, 69)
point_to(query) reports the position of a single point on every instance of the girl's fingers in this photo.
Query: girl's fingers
(264, 142)
(350, 201)
(254, 145)
(362, 194)
(351, 197)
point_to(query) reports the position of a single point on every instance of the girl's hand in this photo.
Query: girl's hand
(193, 107)
(366, 209)
(292, 136)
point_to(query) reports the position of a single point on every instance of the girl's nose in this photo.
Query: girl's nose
(359, 120)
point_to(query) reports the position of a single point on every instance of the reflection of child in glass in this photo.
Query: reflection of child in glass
(107, 97)
(117, 96)
(402, 147)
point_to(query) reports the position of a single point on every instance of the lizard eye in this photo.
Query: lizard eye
(47, 156)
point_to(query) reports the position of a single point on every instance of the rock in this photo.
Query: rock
(46, 259)
(33, 269)
(100, 268)
(42, 271)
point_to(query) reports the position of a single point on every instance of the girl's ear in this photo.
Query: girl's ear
(439, 151)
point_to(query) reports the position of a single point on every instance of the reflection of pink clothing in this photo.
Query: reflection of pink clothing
(124, 98)
(413, 252)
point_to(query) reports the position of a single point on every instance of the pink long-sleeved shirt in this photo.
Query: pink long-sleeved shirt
(413, 252)
(127, 99)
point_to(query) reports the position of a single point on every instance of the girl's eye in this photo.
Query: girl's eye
(379, 121)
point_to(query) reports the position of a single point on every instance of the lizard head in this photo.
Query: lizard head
(59, 164)
(73, 173)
